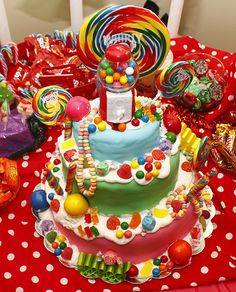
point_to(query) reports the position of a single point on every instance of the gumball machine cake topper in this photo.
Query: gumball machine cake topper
(117, 74)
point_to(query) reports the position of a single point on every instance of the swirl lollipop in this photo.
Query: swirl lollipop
(140, 28)
(49, 104)
(173, 80)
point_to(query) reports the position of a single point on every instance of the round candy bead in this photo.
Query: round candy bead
(148, 223)
(57, 251)
(149, 159)
(164, 259)
(128, 234)
(171, 137)
(155, 172)
(156, 262)
(141, 160)
(61, 238)
(163, 268)
(56, 161)
(130, 78)
(51, 196)
(148, 176)
(116, 76)
(50, 166)
(157, 164)
(153, 108)
(102, 126)
(133, 271)
(123, 80)
(132, 64)
(102, 73)
(145, 118)
(105, 64)
(124, 225)
(140, 174)
(122, 127)
(148, 167)
(97, 120)
(119, 233)
(129, 70)
(138, 114)
(134, 164)
(170, 265)
(120, 69)
(92, 128)
(54, 245)
(109, 79)
(109, 71)
(156, 272)
(63, 245)
(135, 122)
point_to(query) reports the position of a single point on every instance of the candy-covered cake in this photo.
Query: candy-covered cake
(121, 198)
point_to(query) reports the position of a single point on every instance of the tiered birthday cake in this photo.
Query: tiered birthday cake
(120, 198)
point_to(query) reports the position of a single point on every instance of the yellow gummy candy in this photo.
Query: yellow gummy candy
(68, 144)
(160, 213)
(147, 269)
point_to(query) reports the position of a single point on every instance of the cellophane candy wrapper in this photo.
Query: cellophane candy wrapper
(207, 87)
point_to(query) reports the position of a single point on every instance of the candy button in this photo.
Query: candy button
(155, 172)
(68, 144)
(119, 233)
(134, 164)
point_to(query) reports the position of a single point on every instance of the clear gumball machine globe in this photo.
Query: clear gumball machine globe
(118, 71)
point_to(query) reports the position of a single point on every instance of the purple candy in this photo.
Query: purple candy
(46, 226)
(165, 145)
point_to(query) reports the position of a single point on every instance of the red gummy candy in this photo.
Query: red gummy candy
(55, 205)
(67, 253)
(113, 222)
(124, 171)
(186, 166)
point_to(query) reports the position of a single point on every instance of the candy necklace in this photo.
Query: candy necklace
(85, 153)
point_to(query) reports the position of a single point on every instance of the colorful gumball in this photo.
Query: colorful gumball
(49, 104)
(180, 252)
(77, 108)
(76, 205)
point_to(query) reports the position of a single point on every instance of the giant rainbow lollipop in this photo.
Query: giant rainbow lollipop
(49, 104)
(140, 28)
(173, 80)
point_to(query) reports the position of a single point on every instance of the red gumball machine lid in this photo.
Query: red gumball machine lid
(118, 53)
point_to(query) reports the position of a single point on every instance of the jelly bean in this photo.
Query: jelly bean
(141, 160)
(140, 174)
(148, 167)
(122, 127)
(135, 122)
(57, 251)
(124, 225)
(134, 164)
(119, 233)
(102, 126)
(97, 120)
(92, 128)
(128, 234)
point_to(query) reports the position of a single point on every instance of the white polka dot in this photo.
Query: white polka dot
(78, 291)
(234, 209)
(0, 219)
(25, 164)
(208, 60)
(220, 175)
(36, 234)
(235, 192)
(201, 130)
(221, 279)
(225, 57)
(231, 74)
(36, 173)
(234, 75)
(19, 289)
(173, 43)
(49, 290)
(164, 287)
(201, 46)
(204, 270)
(214, 53)
(92, 281)
(24, 222)
(233, 258)
(232, 265)
(136, 289)
(0, 243)
(193, 284)
(11, 216)
(106, 290)
(64, 281)
(185, 47)
(23, 268)
(214, 254)
(39, 150)
(218, 212)
(229, 236)
(193, 51)
(220, 189)
(24, 244)
(49, 268)
(25, 184)
(176, 275)
(7, 275)
(11, 232)
(218, 248)
(25, 157)
(36, 254)
(48, 154)
(49, 138)
(23, 203)
(223, 204)
(219, 65)
(10, 256)
(230, 97)
(35, 279)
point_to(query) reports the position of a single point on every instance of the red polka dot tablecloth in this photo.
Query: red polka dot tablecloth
(25, 265)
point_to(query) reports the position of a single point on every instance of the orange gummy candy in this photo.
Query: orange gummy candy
(135, 220)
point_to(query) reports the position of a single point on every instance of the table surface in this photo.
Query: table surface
(25, 265)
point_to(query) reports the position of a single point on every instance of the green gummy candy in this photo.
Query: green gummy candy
(51, 236)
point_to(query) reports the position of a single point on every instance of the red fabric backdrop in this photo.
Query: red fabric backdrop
(25, 265)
